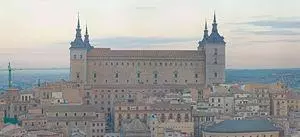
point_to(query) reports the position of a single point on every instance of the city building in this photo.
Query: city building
(16, 103)
(44, 133)
(242, 128)
(60, 92)
(13, 131)
(26, 96)
(135, 128)
(34, 120)
(129, 74)
(164, 111)
(143, 70)
(294, 120)
(293, 101)
(174, 133)
(270, 87)
(222, 103)
(88, 119)
(279, 105)
(248, 104)
(202, 119)
(159, 129)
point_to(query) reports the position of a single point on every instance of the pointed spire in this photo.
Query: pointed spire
(214, 28)
(86, 36)
(215, 20)
(78, 42)
(205, 36)
(86, 30)
(215, 37)
(205, 24)
(78, 30)
(78, 21)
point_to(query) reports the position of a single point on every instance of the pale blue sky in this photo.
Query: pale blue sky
(259, 33)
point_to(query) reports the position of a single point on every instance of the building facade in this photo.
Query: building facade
(221, 103)
(279, 105)
(159, 128)
(137, 69)
(164, 111)
(88, 119)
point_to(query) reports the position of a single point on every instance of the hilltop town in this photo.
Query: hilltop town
(149, 93)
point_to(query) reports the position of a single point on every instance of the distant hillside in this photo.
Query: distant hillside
(26, 78)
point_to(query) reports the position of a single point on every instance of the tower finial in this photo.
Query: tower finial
(205, 36)
(215, 28)
(86, 30)
(78, 42)
(215, 20)
(78, 30)
(86, 37)
(205, 24)
(78, 21)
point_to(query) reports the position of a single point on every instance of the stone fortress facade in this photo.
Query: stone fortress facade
(148, 70)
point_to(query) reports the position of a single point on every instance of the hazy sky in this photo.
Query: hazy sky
(259, 33)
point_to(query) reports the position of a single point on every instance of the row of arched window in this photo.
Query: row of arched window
(147, 63)
(138, 75)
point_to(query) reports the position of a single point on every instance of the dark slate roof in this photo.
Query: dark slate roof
(242, 126)
(77, 43)
(215, 38)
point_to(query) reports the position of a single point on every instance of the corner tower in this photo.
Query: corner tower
(78, 57)
(214, 46)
